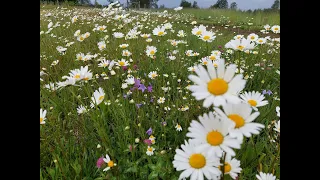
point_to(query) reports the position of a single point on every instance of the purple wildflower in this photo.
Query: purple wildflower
(100, 162)
(164, 123)
(264, 92)
(149, 131)
(124, 68)
(150, 88)
(147, 141)
(138, 105)
(142, 87)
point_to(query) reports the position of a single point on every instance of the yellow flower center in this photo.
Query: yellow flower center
(205, 62)
(217, 86)
(215, 64)
(252, 37)
(152, 52)
(123, 46)
(77, 76)
(240, 47)
(102, 46)
(121, 63)
(101, 28)
(237, 119)
(252, 102)
(110, 164)
(197, 161)
(160, 33)
(126, 53)
(227, 167)
(198, 32)
(206, 38)
(276, 29)
(86, 78)
(41, 119)
(150, 149)
(153, 75)
(81, 38)
(215, 138)
(178, 126)
(212, 58)
(80, 58)
(260, 41)
(101, 97)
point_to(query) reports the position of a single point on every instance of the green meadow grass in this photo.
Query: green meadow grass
(68, 141)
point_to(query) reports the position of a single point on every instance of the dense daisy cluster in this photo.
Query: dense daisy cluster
(215, 136)
(120, 89)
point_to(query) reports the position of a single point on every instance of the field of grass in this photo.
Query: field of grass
(146, 97)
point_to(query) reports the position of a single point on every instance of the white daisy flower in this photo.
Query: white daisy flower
(153, 74)
(252, 37)
(130, 80)
(254, 99)
(110, 163)
(213, 134)
(122, 62)
(123, 46)
(240, 44)
(277, 126)
(241, 115)
(198, 30)
(126, 53)
(161, 100)
(275, 29)
(98, 97)
(217, 86)
(266, 176)
(178, 127)
(159, 31)
(82, 109)
(101, 45)
(278, 111)
(231, 167)
(151, 51)
(207, 36)
(43, 114)
(150, 151)
(195, 162)
(118, 35)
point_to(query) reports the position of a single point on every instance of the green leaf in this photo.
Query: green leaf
(152, 166)
(132, 169)
(153, 175)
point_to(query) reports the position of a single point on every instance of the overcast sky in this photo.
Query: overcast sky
(242, 4)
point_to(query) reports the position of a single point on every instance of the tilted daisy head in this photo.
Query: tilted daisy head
(241, 115)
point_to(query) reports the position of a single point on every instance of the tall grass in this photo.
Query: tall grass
(68, 144)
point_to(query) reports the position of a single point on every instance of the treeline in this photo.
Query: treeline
(71, 2)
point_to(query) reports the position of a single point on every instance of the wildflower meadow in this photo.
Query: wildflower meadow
(157, 94)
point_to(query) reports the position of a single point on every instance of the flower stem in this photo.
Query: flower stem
(222, 167)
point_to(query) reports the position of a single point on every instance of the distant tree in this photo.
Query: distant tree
(221, 4)
(84, 2)
(185, 4)
(276, 4)
(162, 6)
(233, 5)
(145, 3)
(195, 5)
